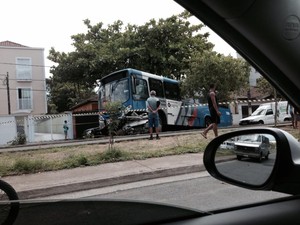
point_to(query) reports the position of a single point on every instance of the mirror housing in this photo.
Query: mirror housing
(285, 175)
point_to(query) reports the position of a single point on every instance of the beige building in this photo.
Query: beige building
(23, 67)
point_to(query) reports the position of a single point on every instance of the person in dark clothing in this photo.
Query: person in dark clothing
(214, 111)
(290, 109)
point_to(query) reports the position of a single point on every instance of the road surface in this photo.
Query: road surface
(197, 190)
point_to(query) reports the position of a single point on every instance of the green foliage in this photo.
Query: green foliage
(112, 155)
(161, 47)
(265, 87)
(65, 94)
(23, 165)
(76, 161)
(19, 140)
(229, 74)
(114, 110)
(165, 46)
(172, 47)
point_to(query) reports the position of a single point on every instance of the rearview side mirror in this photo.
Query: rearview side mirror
(244, 155)
(256, 158)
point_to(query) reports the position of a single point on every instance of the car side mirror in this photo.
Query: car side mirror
(242, 158)
(245, 155)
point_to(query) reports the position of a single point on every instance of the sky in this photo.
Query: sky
(46, 24)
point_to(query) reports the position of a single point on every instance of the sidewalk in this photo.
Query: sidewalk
(85, 178)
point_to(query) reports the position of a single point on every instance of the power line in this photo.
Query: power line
(27, 80)
(15, 89)
(18, 64)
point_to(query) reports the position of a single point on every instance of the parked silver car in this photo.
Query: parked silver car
(252, 146)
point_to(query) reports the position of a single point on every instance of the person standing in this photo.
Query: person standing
(66, 128)
(291, 111)
(140, 88)
(296, 119)
(214, 111)
(153, 105)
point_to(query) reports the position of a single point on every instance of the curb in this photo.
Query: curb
(93, 184)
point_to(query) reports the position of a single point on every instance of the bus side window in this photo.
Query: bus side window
(172, 91)
(157, 86)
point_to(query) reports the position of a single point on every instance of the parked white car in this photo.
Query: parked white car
(265, 114)
(252, 146)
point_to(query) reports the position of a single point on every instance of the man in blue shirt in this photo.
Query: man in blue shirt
(153, 104)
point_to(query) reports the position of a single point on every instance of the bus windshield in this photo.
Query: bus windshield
(114, 91)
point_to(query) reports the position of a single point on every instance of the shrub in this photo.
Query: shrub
(76, 161)
(112, 155)
(19, 140)
(27, 166)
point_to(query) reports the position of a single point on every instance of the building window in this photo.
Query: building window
(24, 98)
(23, 68)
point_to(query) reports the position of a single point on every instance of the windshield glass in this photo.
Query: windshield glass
(258, 112)
(250, 138)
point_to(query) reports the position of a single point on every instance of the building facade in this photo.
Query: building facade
(254, 74)
(23, 86)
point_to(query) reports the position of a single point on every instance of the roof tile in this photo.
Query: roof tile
(11, 44)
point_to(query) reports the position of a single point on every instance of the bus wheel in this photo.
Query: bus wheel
(162, 122)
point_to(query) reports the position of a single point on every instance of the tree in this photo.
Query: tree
(229, 74)
(114, 110)
(265, 87)
(166, 46)
(161, 47)
(65, 95)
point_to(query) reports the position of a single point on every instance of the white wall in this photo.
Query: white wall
(50, 127)
(8, 129)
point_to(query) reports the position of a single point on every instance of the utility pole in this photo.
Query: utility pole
(8, 94)
(249, 102)
(6, 82)
(275, 108)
